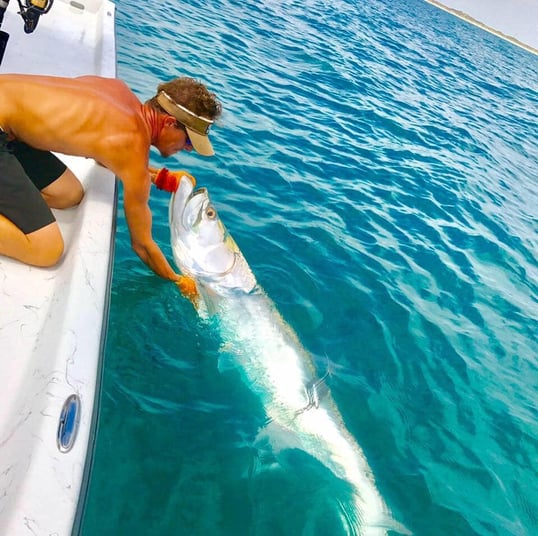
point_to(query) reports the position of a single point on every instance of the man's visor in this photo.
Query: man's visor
(196, 125)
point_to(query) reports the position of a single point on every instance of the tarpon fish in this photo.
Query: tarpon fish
(271, 360)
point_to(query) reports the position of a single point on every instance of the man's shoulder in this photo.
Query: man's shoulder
(102, 81)
(126, 151)
(110, 89)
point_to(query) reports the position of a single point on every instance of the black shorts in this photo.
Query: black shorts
(24, 171)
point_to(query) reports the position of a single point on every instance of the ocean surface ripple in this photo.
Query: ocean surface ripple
(377, 163)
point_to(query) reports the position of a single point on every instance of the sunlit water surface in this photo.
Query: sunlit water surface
(377, 163)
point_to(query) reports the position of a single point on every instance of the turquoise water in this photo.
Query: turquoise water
(377, 163)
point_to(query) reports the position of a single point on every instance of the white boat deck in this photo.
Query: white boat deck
(53, 321)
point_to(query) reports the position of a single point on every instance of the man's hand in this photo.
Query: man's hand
(187, 286)
(168, 180)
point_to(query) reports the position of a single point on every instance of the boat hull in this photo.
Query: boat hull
(53, 320)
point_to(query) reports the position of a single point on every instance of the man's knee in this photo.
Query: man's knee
(46, 246)
(66, 191)
(74, 196)
(52, 254)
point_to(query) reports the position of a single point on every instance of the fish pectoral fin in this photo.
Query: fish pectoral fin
(277, 437)
(226, 360)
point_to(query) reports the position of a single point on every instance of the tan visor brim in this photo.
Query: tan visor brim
(201, 143)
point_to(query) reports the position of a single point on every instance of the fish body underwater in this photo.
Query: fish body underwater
(271, 360)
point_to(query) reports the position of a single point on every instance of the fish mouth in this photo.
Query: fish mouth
(195, 193)
(194, 207)
(198, 191)
(181, 199)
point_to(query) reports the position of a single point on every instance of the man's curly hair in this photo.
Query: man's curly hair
(192, 94)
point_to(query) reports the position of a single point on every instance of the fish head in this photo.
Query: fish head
(202, 247)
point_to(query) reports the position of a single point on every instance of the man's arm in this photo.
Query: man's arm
(138, 216)
(139, 220)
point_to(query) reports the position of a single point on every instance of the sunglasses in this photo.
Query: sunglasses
(188, 142)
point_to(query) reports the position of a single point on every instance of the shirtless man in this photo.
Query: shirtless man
(98, 118)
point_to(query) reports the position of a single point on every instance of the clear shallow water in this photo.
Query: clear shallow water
(378, 166)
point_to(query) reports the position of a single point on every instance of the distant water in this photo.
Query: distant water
(377, 163)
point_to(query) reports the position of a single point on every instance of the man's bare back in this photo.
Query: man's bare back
(101, 118)
(87, 116)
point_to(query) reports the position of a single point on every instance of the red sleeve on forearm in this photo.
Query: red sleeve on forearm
(166, 181)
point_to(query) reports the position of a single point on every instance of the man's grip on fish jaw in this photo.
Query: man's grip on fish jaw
(168, 180)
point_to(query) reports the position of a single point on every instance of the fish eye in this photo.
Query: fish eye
(211, 213)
